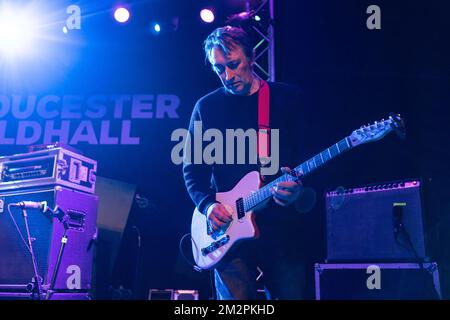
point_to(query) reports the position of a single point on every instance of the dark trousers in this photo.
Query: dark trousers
(283, 272)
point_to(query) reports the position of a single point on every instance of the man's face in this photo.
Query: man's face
(234, 70)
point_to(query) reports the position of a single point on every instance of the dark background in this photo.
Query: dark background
(350, 76)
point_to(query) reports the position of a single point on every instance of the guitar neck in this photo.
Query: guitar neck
(303, 170)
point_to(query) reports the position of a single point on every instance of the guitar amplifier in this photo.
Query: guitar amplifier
(55, 166)
(75, 272)
(375, 223)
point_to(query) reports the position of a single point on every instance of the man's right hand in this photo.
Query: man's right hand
(218, 217)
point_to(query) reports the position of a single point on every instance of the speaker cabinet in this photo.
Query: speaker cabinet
(75, 272)
(377, 281)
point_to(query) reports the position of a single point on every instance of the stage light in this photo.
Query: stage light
(207, 15)
(121, 15)
(157, 27)
(242, 19)
(257, 18)
(17, 31)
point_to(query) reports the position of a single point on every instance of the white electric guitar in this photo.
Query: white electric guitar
(210, 247)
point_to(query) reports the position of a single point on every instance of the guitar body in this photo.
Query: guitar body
(238, 229)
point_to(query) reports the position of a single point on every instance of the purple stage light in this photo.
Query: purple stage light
(121, 14)
(207, 15)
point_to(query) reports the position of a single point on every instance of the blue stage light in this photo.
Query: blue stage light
(18, 31)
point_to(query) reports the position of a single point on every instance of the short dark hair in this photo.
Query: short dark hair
(227, 38)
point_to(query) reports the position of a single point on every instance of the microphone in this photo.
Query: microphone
(31, 205)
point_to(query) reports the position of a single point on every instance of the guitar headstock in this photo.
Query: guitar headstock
(378, 130)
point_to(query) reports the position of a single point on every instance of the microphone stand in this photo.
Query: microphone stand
(36, 288)
(63, 217)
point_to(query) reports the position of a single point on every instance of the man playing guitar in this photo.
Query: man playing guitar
(277, 251)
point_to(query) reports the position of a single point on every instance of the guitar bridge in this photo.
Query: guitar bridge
(215, 245)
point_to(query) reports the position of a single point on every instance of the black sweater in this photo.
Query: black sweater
(222, 110)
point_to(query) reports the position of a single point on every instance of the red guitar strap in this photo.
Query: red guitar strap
(263, 123)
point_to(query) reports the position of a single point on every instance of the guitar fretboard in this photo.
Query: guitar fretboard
(304, 169)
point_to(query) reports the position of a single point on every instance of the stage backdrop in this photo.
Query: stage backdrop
(117, 92)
